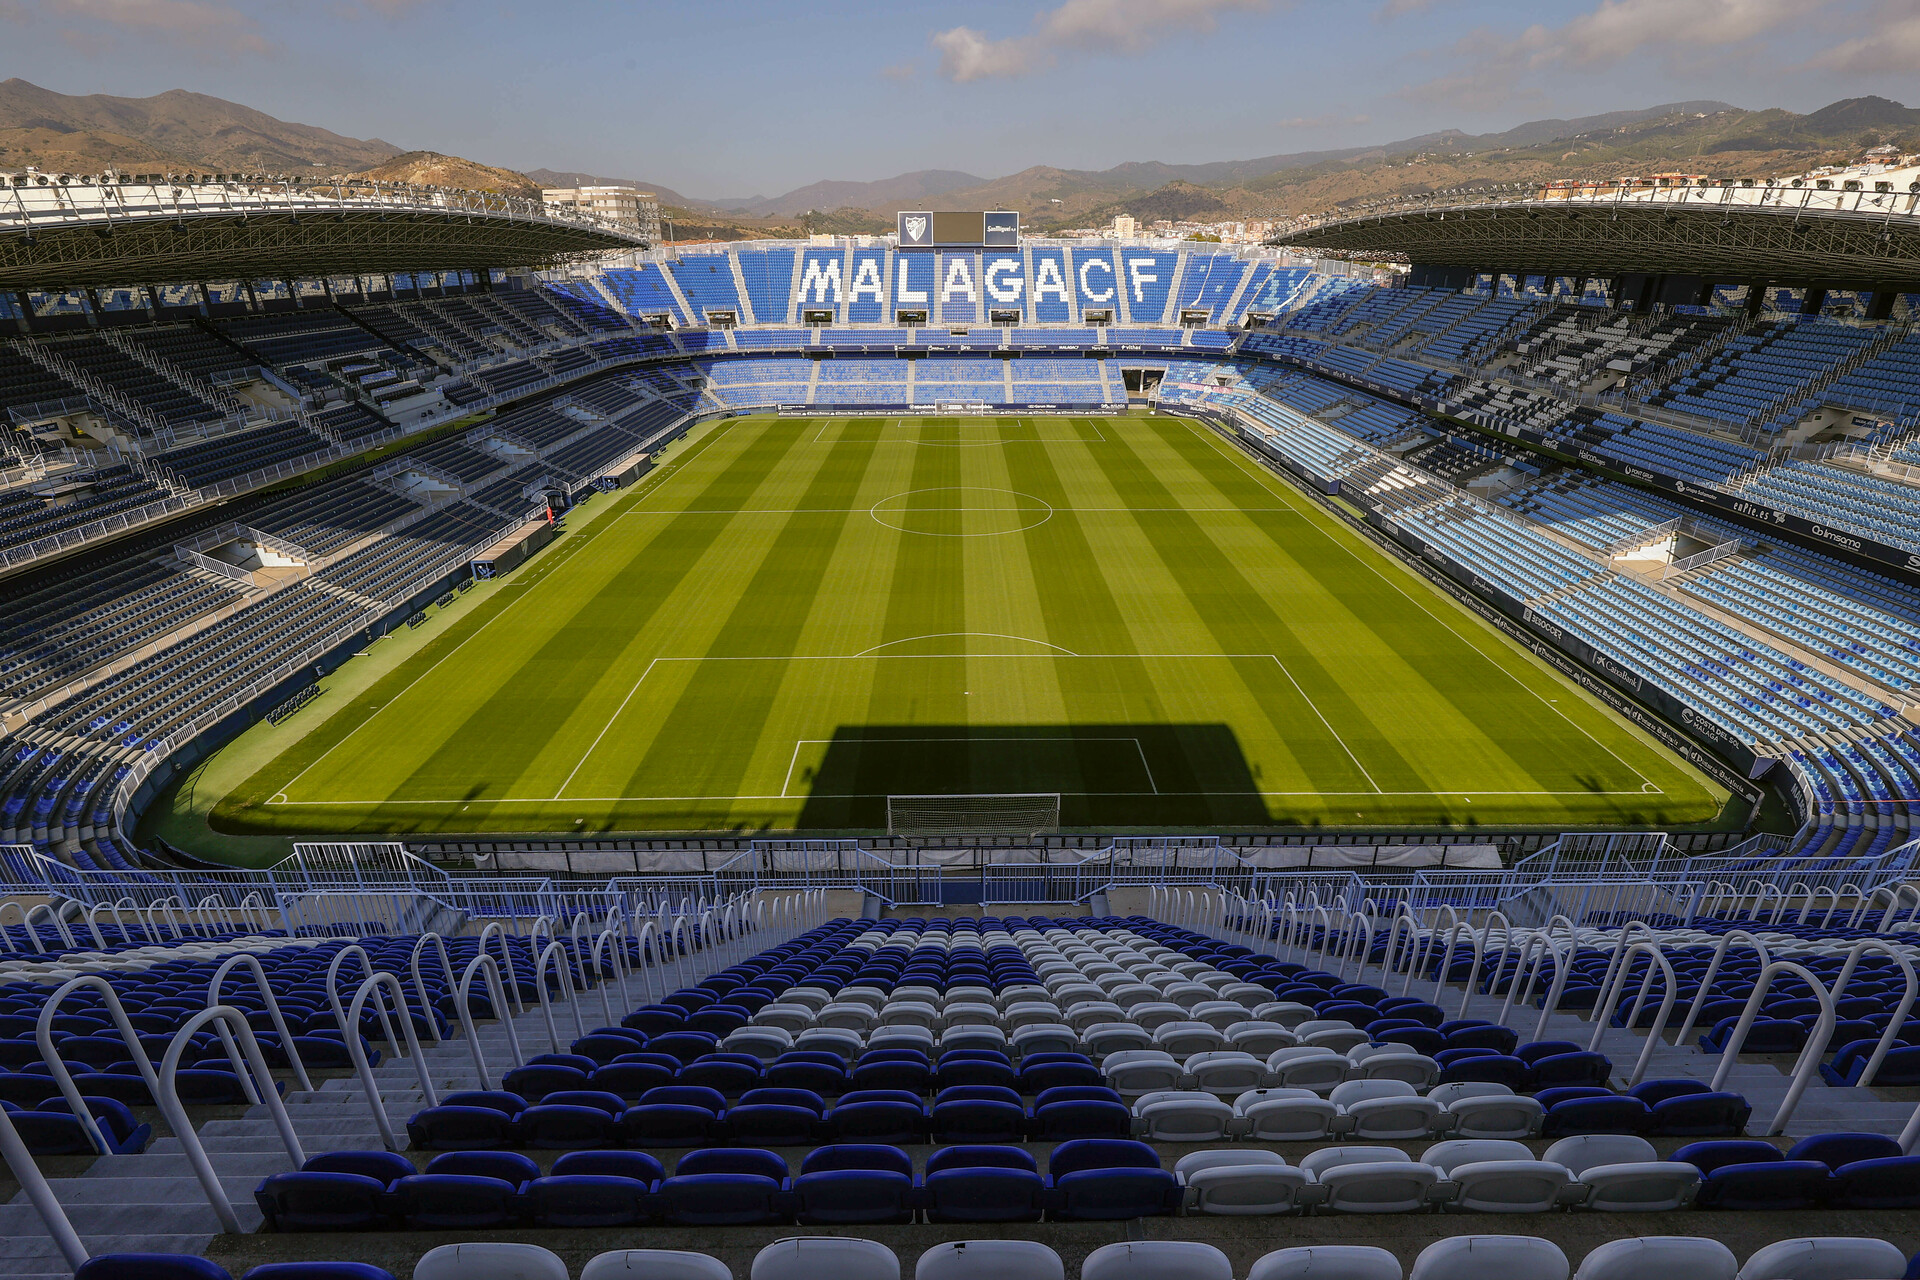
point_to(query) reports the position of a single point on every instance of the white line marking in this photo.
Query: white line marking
(876, 795)
(1323, 720)
(942, 635)
(603, 728)
(544, 572)
(1267, 482)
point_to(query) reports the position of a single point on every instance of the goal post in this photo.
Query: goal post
(1018, 813)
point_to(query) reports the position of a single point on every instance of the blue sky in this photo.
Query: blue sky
(757, 97)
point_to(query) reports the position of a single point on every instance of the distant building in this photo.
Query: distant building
(1124, 227)
(628, 205)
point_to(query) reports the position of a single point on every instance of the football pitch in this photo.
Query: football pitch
(793, 619)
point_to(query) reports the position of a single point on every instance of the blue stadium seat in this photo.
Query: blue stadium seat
(1105, 1179)
(983, 1184)
(337, 1191)
(854, 1183)
(448, 1128)
(726, 1186)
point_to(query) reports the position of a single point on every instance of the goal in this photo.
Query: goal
(1024, 814)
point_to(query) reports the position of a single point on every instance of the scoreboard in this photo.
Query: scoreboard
(989, 229)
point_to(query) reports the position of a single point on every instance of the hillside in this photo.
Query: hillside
(431, 169)
(86, 133)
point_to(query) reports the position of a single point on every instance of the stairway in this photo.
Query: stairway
(152, 1202)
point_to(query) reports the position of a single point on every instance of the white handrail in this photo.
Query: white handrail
(1713, 969)
(419, 983)
(252, 1069)
(497, 932)
(287, 1045)
(497, 996)
(557, 952)
(26, 1172)
(1912, 991)
(1809, 1060)
(352, 1033)
(1617, 986)
(383, 984)
(43, 1035)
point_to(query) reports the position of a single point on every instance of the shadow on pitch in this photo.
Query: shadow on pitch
(1107, 775)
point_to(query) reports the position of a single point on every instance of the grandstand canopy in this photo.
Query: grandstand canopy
(1854, 239)
(108, 234)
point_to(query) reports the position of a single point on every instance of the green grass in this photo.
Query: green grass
(796, 618)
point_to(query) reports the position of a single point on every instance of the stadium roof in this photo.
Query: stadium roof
(55, 236)
(1785, 235)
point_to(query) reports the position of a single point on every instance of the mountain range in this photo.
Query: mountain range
(182, 130)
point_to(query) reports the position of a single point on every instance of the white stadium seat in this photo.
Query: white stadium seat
(1371, 1179)
(1308, 1067)
(490, 1262)
(808, 1257)
(1225, 1072)
(989, 1260)
(1176, 1115)
(1328, 1262)
(1156, 1260)
(1672, 1257)
(1286, 1115)
(1384, 1110)
(1621, 1174)
(654, 1264)
(1242, 1182)
(1490, 1258)
(1826, 1258)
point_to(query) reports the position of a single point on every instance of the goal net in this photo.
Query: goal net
(1022, 814)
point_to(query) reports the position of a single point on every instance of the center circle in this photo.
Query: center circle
(962, 511)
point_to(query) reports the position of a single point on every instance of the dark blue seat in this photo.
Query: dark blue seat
(891, 1073)
(460, 1129)
(955, 1071)
(1596, 1115)
(317, 1271)
(1039, 1077)
(604, 1048)
(630, 1079)
(50, 1129)
(891, 1121)
(497, 1099)
(1708, 1156)
(336, 1191)
(1772, 1184)
(1766, 1035)
(1884, 1182)
(552, 1127)
(1837, 1149)
(1485, 1036)
(152, 1266)
(728, 1078)
(454, 1201)
(726, 1186)
(538, 1079)
(983, 1184)
(566, 1198)
(854, 1183)
(1423, 1040)
(1105, 1179)
(826, 1079)
(773, 1124)
(1080, 1118)
(1701, 1115)
(578, 1061)
(1570, 1068)
(977, 1121)
(684, 1045)
(1655, 1092)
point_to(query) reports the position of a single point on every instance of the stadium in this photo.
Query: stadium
(528, 751)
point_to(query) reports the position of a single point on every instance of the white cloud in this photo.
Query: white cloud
(1077, 26)
(1621, 28)
(1495, 65)
(1893, 46)
(201, 25)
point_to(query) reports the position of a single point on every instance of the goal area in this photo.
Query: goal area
(1022, 814)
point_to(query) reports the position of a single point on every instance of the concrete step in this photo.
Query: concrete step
(136, 1190)
(165, 1159)
(177, 1217)
(39, 1246)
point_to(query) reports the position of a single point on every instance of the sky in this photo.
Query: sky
(756, 97)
